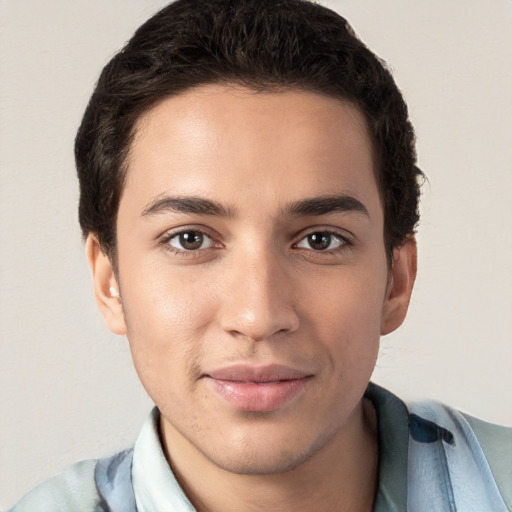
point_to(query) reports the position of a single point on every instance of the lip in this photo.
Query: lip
(258, 388)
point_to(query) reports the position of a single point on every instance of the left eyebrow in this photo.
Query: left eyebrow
(325, 205)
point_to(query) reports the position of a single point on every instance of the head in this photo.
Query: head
(266, 47)
(249, 189)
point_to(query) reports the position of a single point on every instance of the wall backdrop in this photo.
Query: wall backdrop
(67, 387)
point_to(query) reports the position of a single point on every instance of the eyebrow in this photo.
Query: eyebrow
(325, 205)
(314, 206)
(189, 204)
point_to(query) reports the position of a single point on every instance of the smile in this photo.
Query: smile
(258, 389)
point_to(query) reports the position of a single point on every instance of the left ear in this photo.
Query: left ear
(401, 282)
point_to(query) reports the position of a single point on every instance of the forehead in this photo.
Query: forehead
(232, 143)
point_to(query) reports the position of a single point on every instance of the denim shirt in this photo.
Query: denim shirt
(430, 459)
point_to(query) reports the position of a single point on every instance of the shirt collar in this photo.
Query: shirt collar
(393, 424)
(156, 488)
(154, 484)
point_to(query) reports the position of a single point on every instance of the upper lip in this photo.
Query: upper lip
(251, 373)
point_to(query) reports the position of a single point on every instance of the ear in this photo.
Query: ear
(106, 288)
(401, 282)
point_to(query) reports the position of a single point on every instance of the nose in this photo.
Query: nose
(258, 301)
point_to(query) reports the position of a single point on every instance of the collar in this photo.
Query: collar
(156, 488)
(392, 418)
(154, 484)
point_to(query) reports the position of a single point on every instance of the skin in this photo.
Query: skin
(258, 291)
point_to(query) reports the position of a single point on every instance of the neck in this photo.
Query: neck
(341, 476)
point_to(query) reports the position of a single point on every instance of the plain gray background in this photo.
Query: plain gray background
(68, 389)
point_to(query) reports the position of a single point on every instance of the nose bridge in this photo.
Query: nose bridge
(258, 294)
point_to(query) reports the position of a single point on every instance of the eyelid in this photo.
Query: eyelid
(341, 240)
(164, 239)
(345, 235)
(347, 239)
(330, 255)
(205, 230)
(205, 238)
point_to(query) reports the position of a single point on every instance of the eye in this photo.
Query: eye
(190, 240)
(322, 241)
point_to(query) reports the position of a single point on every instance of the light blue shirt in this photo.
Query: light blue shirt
(431, 458)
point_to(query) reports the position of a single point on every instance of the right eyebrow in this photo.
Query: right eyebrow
(188, 204)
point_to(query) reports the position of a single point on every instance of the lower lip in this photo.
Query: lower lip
(258, 397)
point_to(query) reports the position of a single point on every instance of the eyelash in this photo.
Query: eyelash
(190, 253)
(345, 242)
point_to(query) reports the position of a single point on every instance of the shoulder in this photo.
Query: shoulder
(72, 489)
(496, 443)
(474, 450)
(94, 485)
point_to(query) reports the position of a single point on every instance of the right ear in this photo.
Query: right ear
(106, 288)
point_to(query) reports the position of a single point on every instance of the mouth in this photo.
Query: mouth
(258, 388)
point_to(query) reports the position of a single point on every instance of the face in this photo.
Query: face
(252, 273)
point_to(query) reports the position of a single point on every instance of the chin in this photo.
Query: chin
(254, 464)
(265, 452)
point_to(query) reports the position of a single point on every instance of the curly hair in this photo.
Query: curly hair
(261, 44)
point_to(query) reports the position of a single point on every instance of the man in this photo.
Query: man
(249, 197)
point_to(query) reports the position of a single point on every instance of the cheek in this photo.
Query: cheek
(160, 297)
(346, 312)
(166, 318)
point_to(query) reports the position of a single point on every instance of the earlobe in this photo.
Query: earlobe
(401, 282)
(106, 288)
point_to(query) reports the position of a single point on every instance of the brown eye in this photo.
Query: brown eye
(321, 241)
(190, 241)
